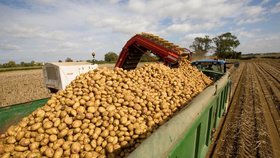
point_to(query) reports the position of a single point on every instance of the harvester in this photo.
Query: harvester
(138, 45)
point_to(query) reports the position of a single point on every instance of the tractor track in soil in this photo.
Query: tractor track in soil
(251, 127)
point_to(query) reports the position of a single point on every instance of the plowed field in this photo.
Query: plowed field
(21, 86)
(252, 125)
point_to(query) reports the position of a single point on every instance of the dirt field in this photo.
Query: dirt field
(21, 86)
(252, 126)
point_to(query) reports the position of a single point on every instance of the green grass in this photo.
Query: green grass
(20, 68)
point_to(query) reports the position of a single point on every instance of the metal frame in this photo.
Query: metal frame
(169, 56)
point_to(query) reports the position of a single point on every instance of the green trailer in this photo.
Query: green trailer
(187, 134)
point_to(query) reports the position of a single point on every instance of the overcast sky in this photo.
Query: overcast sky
(49, 30)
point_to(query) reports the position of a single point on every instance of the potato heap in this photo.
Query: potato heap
(104, 113)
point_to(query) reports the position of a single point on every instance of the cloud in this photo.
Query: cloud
(32, 32)
(183, 10)
(42, 2)
(9, 47)
(276, 8)
(187, 40)
(265, 2)
(60, 29)
(122, 23)
(262, 43)
(251, 14)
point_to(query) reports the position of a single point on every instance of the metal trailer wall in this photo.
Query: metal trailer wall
(13, 114)
(188, 134)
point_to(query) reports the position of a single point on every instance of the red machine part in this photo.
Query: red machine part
(139, 44)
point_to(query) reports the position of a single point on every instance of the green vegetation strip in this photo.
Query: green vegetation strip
(20, 68)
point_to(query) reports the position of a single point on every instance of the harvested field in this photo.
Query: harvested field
(21, 86)
(252, 125)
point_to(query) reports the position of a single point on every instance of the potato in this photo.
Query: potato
(33, 155)
(91, 109)
(20, 148)
(1, 148)
(76, 123)
(67, 152)
(62, 126)
(58, 143)
(66, 145)
(9, 148)
(74, 156)
(75, 147)
(49, 152)
(24, 142)
(58, 153)
(43, 149)
(36, 126)
(110, 148)
(63, 133)
(68, 120)
(105, 133)
(6, 155)
(53, 138)
(20, 135)
(52, 130)
(80, 110)
(98, 148)
(56, 122)
(34, 145)
(93, 143)
(101, 109)
(39, 137)
(11, 140)
(91, 154)
(40, 113)
(44, 142)
(80, 116)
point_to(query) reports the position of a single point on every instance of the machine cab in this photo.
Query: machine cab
(214, 69)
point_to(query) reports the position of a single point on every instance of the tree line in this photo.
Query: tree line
(21, 64)
(223, 45)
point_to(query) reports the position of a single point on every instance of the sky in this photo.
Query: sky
(52, 30)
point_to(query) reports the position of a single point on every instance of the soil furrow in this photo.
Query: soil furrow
(250, 129)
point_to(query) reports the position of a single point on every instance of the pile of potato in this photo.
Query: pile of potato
(104, 113)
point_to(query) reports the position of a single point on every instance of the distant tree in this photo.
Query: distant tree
(22, 63)
(60, 61)
(32, 63)
(68, 59)
(111, 56)
(225, 45)
(148, 57)
(11, 64)
(202, 45)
